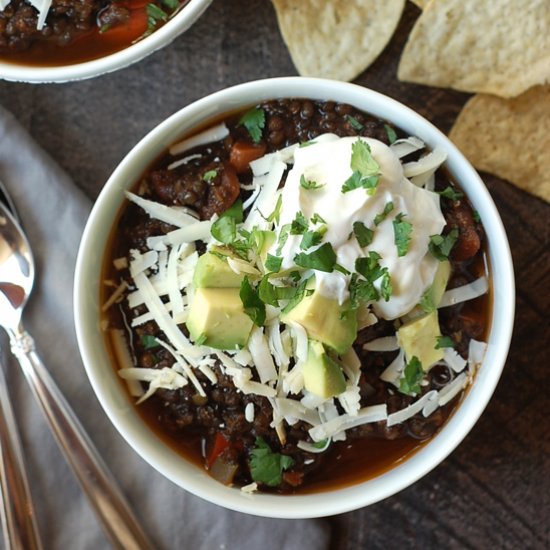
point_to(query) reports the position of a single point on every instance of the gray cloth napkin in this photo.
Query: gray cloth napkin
(54, 212)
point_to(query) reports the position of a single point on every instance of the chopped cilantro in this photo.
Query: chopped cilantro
(390, 132)
(254, 122)
(299, 293)
(369, 266)
(267, 292)
(402, 234)
(253, 306)
(320, 444)
(273, 263)
(307, 143)
(295, 276)
(379, 218)
(266, 466)
(444, 342)
(312, 238)
(283, 237)
(354, 123)
(476, 216)
(451, 193)
(309, 184)
(427, 302)
(321, 259)
(441, 245)
(385, 285)
(341, 269)
(209, 175)
(316, 218)
(366, 171)
(274, 216)
(363, 234)
(299, 224)
(171, 4)
(412, 376)
(104, 28)
(361, 291)
(148, 341)
(224, 229)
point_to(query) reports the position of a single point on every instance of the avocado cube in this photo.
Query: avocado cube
(419, 338)
(212, 271)
(325, 320)
(322, 375)
(216, 317)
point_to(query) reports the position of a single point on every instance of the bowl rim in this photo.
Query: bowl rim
(165, 460)
(175, 26)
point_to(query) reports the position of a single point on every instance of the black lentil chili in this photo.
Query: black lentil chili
(77, 31)
(214, 426)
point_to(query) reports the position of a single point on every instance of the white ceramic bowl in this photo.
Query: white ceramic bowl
(109, 63)
(121, 411)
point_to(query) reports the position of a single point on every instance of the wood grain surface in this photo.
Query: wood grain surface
(493, 491)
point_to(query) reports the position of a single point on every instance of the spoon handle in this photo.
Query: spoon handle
(119, 523)
(18, 519)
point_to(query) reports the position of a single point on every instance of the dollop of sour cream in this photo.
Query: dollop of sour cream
(326, 161)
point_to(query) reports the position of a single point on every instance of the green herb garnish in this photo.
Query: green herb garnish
(451, 193)
(444, 342)
(310, 184)
(148, 341)
(476, 216)
(354, 123)
(312, 238)
(297, 294)
(390, 132)
(299, 225)
(224, 229)
(266, 466)
(401, 234)
(209, 175)
(171, 4)
(412, 376)
(273, 263)
(321, 259)
(379, 218)
(253, 306)
(427, 301)
(366, 171)
(363, 234)
(254, 122)
(441, 245)
(361, 291)
(316, 218)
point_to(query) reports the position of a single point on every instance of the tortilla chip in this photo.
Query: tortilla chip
(509, 138)
(336, 38)
(500, 47)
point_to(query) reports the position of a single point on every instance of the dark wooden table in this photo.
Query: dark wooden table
(493, 491)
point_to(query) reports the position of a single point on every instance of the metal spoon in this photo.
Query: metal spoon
(18, 517)
(16, 282)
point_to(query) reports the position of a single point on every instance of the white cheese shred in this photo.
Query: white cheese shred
(464, 293)
(210, 135)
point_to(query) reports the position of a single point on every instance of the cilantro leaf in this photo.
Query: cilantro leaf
(209, 175)
(451, 193)
(379, 218)
(385, 285)
(321, 259)
(390, 132)
(274, 216)
(266, 466)
(369, 267)
(310, 184)
(224, 229)
(444, 342)
(254, 122)
(402, 234)
(412, 376)
(267, 292)
(171, 4)
(363, 234)
(148, 341)
(441, 245)
(354, 123)
(273, 263)
(366, 171)
(361, 291)
(283, 237)
(312, 238)
(476, 216)
(299, 293)
(316, 218)
(253, 306)
(427, 301)
(299, 225)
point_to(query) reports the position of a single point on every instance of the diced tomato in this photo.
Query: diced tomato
(243, 153)
(219, 445)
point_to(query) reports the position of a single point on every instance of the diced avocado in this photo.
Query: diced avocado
(431, 298)
(217, 319)
(212, 271)
(325, 320)
(419, 338)
(322, 375)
